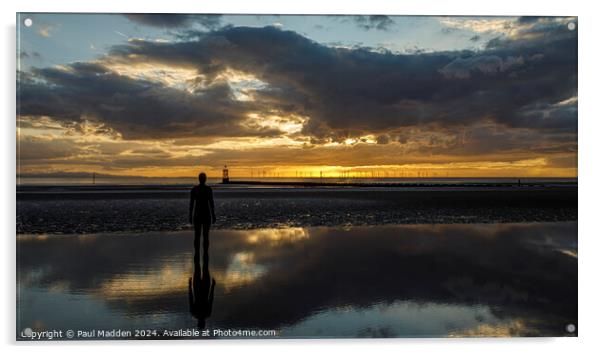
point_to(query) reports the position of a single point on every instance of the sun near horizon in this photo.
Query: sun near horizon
(298, 96)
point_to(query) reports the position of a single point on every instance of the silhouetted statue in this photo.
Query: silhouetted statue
(201, 287)
(202, 211)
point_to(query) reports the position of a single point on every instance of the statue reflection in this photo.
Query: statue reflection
(201, 286)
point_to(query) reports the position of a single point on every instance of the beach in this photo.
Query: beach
(322, 282)
(65, 210)
(319, 262)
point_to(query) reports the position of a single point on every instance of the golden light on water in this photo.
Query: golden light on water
(512, 328)
(277, 236)
(170, 278)
(173, 277)
(242, 270)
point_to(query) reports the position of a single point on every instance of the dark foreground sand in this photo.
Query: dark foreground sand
(72, 210)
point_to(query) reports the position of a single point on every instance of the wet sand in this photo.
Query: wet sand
(305, 262)
(325, 282)
(140, 209)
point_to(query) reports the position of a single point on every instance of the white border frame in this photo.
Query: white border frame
(589, 167)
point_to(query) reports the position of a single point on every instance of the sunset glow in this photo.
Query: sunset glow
(475, 97)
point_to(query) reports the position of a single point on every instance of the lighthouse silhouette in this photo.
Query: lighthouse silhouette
(225, 176)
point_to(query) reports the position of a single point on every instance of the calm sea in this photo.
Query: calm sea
(80, 181)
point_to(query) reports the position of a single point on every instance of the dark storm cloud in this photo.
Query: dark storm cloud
(538, 32)
(517, 82)
(134, 108)
(365, 22)
(344, 89)
(379, 22)
(176, 20)
(529, 19)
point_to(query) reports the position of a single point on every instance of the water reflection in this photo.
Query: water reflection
(201, 286)
(410, 280)
(277, 236)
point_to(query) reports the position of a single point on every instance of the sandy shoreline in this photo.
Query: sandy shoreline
(243, 208)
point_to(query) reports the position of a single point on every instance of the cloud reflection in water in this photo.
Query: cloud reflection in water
(409, 280)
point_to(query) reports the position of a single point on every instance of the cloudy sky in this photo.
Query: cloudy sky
(168, 95)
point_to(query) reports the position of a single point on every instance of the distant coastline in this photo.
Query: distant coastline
(112, 181)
